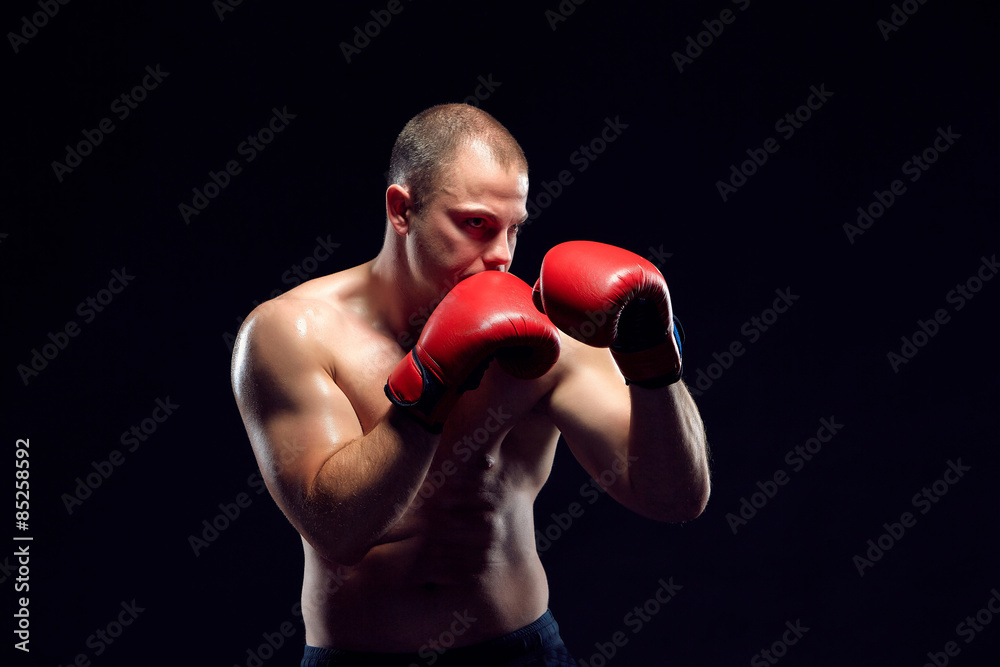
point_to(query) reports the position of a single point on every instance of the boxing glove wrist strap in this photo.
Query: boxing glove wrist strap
(655, 365)
(417, 389)
(413, 387)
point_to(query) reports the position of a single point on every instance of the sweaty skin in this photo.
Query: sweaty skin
(406, 534)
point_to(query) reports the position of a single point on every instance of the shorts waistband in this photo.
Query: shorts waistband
(539, 634)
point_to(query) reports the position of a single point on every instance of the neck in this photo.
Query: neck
(401, 306)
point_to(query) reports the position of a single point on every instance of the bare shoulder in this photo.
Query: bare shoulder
(286, 324)
(295, 331)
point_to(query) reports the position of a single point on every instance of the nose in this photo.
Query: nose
(499, 253)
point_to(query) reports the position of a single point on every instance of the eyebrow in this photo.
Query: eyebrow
(480, 212)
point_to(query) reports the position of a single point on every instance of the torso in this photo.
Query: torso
(464, 549)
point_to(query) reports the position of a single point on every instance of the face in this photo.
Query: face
(471, 224)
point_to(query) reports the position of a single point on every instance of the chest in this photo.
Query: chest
(496, 428)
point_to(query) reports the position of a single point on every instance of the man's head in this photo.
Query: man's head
(457, 200)
(426, 149)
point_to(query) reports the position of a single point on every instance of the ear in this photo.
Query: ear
(398, 208)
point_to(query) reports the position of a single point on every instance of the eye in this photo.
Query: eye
(476, 223)
(516, 230)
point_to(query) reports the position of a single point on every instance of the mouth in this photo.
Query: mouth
(463, 276)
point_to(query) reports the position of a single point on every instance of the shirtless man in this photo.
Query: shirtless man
(420, 507)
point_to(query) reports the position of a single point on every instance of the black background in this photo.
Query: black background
(653, 188)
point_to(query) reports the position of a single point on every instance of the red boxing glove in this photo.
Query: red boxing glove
(486, 315)
(605, 296)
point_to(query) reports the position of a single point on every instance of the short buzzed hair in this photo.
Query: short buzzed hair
(429, 142)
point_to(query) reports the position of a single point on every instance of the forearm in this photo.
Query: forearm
(670, 476)
(361, 491)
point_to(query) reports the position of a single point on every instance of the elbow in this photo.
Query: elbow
(340, 552)
(678, 512)
(679, 508)
(348, 558)
(694, 504)
(690, 511)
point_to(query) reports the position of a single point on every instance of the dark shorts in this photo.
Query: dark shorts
(534, 645)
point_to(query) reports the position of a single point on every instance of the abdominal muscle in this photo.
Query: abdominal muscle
(460, 562)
